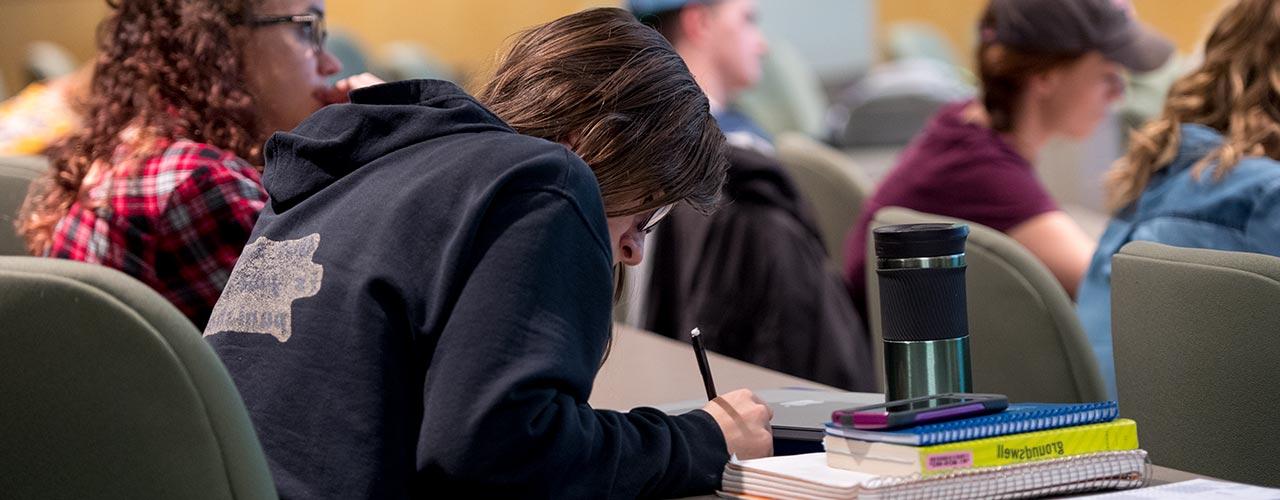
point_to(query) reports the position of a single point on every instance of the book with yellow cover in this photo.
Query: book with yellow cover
(894, 459)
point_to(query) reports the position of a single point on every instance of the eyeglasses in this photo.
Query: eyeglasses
(655, 218)
(312, 26)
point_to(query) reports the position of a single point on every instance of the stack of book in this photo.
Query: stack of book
(1027, 450)
(1023, 433)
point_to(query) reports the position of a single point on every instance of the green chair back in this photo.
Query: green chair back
(1196, 350)
(16, 174)
(834, 184)
(109, 392)
(789, 96)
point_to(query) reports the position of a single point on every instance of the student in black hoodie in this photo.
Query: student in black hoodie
(425, 300)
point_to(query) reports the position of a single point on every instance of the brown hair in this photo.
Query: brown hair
(1004, 71)
(617, 93)
(1236, 92)
(164, 70)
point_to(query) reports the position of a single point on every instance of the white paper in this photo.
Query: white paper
(1200, 489)
(811, 467)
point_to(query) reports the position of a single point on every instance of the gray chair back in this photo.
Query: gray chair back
(834, 184)
(894, 101)
(789, 96)
(1196, 349)
(1026, 340)
(16, 174)
(889, 120)
(110, 392)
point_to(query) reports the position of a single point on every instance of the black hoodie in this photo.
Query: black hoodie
(423, 307)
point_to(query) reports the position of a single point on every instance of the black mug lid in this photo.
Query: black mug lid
(909, 241)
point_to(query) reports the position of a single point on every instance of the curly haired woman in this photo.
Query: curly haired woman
(1205, 173)
(161, 181)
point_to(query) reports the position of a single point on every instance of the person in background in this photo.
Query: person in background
(425, 302)
(721, 42)
(754, 276)
(43, 113)
(1204, 174)
(160, 181)
(1046, 68)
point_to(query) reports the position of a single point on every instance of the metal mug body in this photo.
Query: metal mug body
(923, 309)
(916, 369)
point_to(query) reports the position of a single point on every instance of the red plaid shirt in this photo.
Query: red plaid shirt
(176, 221)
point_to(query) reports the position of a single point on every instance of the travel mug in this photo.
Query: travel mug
(921, 270)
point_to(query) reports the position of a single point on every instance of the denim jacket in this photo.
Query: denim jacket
(1239, 213)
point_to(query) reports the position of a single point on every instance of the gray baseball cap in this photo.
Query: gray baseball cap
(643, 8)
(1070, 26)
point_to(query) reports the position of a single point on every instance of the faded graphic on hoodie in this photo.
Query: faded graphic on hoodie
(267, 279)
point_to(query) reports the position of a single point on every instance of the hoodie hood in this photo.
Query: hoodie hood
(342, 138)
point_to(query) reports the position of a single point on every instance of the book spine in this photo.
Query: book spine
(1119, 435)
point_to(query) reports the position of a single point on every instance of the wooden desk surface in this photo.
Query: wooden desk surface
(647, 369)
(1164, 475)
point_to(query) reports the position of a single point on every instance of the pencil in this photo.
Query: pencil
(701, 353)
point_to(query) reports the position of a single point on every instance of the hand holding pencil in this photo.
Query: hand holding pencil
(742, 417)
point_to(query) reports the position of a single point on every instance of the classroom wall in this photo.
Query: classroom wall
(836, 37)
(464, 33)
(67, 22)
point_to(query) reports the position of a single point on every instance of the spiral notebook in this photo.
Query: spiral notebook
(808, 477)
(1019, 418)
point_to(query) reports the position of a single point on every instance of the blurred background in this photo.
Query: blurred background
(840, 38)
(862, 75)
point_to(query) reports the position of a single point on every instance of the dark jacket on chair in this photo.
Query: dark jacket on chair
(755, 278)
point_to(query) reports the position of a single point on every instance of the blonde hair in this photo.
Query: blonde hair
(1236, 92)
